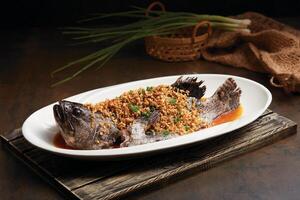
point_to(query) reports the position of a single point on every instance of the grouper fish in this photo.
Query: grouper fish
(83, 129)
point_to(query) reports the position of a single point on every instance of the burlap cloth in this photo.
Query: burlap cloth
(271, 47)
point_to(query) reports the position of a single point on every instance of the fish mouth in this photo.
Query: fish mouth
(59, 113)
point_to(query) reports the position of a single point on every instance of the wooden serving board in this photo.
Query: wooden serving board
(79, 179)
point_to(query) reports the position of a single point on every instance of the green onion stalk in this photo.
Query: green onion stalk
(120, 36)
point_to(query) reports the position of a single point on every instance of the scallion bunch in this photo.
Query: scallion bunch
(120, 36)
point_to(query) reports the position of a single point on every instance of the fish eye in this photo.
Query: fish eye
(76, 112)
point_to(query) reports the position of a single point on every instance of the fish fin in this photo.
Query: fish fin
(230, 92)
(153, 118)
(190, 84)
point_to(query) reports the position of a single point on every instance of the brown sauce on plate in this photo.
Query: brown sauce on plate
(230, 116)
(59, 142)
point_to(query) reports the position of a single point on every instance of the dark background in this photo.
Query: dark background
(28, 55)
(53, 13)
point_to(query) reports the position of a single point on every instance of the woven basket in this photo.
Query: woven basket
(184, 45)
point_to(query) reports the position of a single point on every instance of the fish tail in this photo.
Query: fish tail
(229, 91)
(225, 99)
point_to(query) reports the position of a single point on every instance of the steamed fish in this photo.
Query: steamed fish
(84, 128)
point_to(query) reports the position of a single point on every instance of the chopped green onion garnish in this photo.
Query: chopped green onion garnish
(165, 133)
(146, 114)
(149, 89)
(134, 108)
(142, 91)
(187, 128)
(152, 108)
(176, 119)
(172, 101)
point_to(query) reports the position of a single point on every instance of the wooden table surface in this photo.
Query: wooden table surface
(28, 57)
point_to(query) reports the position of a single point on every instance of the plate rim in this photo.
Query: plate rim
(130, 151)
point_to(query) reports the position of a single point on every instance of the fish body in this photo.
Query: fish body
(140, 135)
(83, 129)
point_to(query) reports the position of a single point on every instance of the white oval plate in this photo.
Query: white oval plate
(40, 127)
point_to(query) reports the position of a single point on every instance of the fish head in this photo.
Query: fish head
(74, 120)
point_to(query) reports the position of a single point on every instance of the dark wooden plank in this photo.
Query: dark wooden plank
(268, 111)
(273, 127)
(9, 136)
(106, 180)
(87, 172)
(43, 173)
(74, 173)
(39, 155)
(80, 174)
(22, 144)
